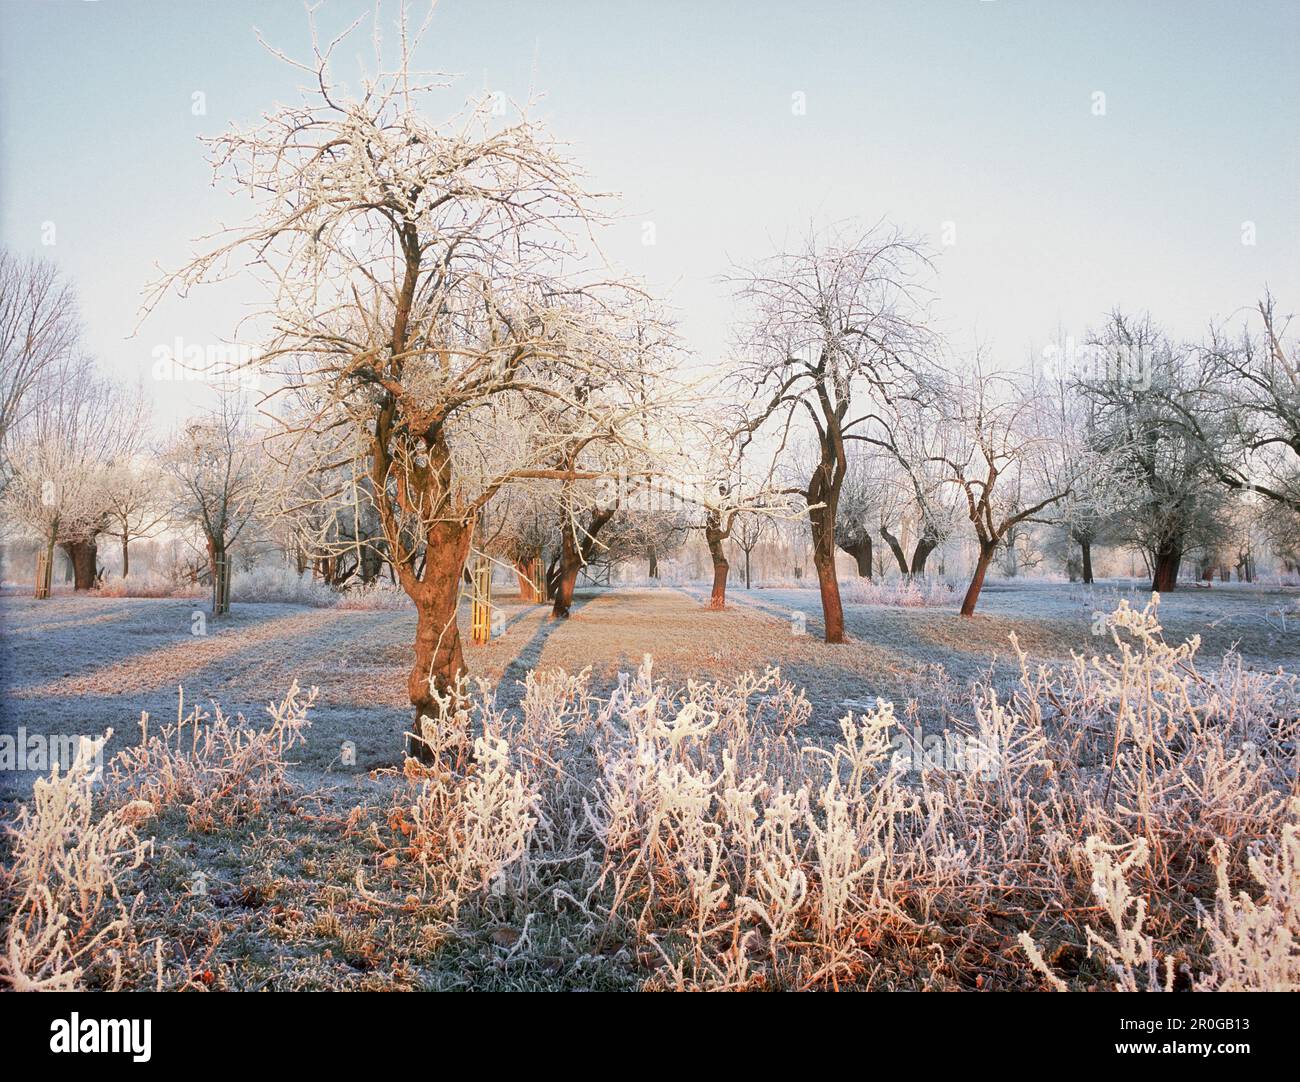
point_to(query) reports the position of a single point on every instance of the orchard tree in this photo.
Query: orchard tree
(994, 460)
(1069, 419)
(61, 459)
(1146, 389)
(1246, 421)
(135, 504)
(916, 439)
(750, 529)
(834, 330)
(218, 470)
(433, 284)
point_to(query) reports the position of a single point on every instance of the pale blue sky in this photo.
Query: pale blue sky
(976, 112)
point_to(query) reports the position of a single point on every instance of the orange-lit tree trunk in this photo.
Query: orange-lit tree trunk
(823, 500)
(526, 573)
(439, 660)
(714, 535)
(987, 549)
(1167, 558)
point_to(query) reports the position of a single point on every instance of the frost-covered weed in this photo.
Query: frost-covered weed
(64, 911)
(220, 770)
(1098, 805)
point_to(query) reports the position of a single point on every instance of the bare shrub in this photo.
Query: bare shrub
(220, 770)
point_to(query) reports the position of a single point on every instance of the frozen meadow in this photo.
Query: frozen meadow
(594, 819)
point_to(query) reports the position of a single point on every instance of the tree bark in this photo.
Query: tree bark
(1086, 548)
(896, 548)
(526, 572)
(574, 556)
(747, 562)
(83, 556)
(1167, 558)
(126, 555)
(654, 562)
(987, 549)
(861, 553)
(921, 553)
(714, 535)
(822, 521)
(439, 660)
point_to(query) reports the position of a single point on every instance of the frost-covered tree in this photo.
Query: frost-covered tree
(61, 460)
(993, 457)
(136, 504)
(432, 283)
(1145, 388)
(219, 474)
(832, 327)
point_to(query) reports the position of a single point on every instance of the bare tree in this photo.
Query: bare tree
(135, 507)
(1146, 388)
(749, 531)
(995, 437)
(1247, 423)
(39, 330)
(833, 327)
(432, 284)
(217, 466)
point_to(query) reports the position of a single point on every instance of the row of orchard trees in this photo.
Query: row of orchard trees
(78, 462)
(455, 372)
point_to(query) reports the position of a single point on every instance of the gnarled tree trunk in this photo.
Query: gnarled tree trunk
(861, 552)
(1167, 558)
(83, 556)
(526, 572)
(822, 520)
(1086, 548)
(439, 660)
(921, 553)
(574, 555)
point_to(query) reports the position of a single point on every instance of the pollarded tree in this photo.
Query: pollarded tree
(52, 495)
(433, 284)
(834, 326)
(993, 457)
(60, 461)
